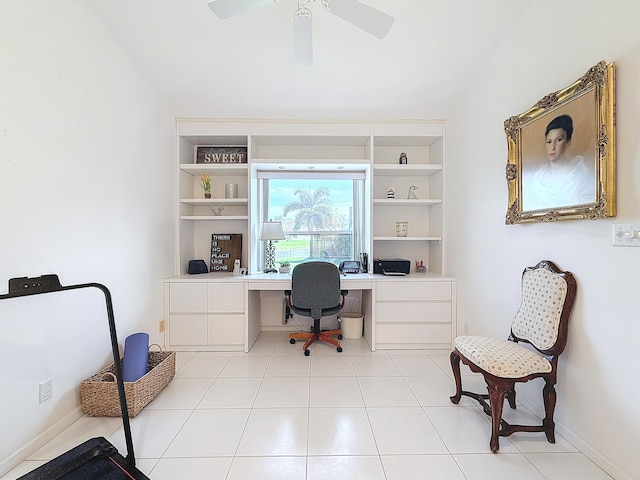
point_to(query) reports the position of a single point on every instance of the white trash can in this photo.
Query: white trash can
(351, 324)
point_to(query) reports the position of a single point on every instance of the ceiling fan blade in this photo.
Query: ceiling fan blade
(362, 16)
(230, 8)
(302, 41)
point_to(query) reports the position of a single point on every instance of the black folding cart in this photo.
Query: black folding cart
(95, 459)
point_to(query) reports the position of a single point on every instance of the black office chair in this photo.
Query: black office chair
(315, 292)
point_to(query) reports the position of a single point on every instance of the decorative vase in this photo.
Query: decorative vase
(207, 194)
(401, 229)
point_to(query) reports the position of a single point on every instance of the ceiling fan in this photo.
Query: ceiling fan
(355, 12)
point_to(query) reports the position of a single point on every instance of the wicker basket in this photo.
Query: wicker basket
(99, 393)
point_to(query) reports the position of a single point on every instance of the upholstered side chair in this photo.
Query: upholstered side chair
(538, 337)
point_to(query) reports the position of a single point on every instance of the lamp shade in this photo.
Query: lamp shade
(272, 231)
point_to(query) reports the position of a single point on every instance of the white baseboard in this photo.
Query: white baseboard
(592, 454)
(583, 447)
(41, 440)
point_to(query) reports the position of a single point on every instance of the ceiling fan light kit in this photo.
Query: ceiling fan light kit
(355, 12)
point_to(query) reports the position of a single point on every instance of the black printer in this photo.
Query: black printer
(391, 266)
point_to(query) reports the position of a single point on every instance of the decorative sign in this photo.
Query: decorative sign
(225, 248)
(221, 154)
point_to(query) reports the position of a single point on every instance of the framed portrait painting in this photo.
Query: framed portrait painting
(561, 153)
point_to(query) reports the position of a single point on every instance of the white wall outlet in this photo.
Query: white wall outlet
(46, 390)
(626, 235)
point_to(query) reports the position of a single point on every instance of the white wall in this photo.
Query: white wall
(548, 49)
(86, 180)
(86, 188)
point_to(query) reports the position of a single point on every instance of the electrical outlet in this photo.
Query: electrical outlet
(46, 390)
(161, 326)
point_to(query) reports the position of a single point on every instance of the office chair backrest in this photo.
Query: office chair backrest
(315, 286)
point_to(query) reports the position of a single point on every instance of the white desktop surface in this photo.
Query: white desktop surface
(282, 281)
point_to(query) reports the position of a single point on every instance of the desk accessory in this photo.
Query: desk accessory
(271, 231)
(197, 266)
(350, 266)
(390, 266)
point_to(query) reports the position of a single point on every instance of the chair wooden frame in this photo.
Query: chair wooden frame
(500, 387)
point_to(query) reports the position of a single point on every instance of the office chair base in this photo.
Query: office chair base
(311, 338)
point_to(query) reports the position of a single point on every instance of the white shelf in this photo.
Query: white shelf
(214, 217)
(214, 201)
(215, 168)
(397, 170)
(408, 239)
(393, 202)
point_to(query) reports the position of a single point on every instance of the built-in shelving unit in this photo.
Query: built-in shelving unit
(199, 217)
(423, 144)
(223, 312)
(373, 148)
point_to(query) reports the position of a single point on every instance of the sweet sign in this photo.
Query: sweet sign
(221, 155)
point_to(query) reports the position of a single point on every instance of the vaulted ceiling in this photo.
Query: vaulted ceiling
(243, 66)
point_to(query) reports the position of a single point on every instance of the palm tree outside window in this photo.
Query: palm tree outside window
(321, 217)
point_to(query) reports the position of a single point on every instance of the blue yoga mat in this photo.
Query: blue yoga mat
(136, 354)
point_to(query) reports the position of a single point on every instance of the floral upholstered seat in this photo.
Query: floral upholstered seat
(538, 336)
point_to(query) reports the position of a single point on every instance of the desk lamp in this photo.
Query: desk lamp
(271, 231)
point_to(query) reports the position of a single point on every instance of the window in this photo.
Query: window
(321, 214)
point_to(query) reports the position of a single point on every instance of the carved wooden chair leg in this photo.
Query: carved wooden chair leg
(549, 396)
(496, 398)
(511, 397)
(455, 366)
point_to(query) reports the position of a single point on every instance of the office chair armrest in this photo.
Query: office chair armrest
(344, 294)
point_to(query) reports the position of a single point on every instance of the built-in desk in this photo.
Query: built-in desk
(222, 312)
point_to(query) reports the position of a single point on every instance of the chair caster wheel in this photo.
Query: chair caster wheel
(306, 353)
(292, 341)
(339, 349)
(339, 336)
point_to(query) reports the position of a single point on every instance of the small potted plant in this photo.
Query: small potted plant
(285, 267)
(205, 183)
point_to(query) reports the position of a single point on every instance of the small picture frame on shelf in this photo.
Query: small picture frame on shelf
(225, 249)
(215, 154)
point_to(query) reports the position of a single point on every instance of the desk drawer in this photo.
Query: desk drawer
(416, 312)
(226, 297)
(412, 291)
(413, 334)
(225, 329)
(188, 297)
(188, 329)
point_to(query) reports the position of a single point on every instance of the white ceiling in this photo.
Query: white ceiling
(243, 66)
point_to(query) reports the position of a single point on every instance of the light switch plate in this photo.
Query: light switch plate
(626, 235)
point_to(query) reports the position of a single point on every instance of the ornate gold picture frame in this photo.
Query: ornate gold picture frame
(562, 153)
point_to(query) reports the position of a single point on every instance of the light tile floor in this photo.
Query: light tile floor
(275, 414)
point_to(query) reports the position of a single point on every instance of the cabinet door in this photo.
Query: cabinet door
(225, 329)
(188, 329)
(226, 297)
(188, 298)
